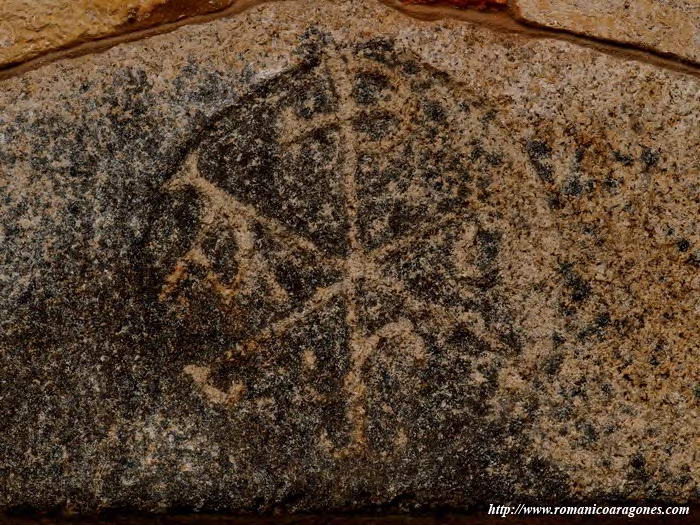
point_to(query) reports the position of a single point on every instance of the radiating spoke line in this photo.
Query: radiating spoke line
(304, 131)
(354, 265)
(419, 306)
(321, 298)
(409, 239)
(279, 230)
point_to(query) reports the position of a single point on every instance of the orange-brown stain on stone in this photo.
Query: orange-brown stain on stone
(170, 10)
(476, 4)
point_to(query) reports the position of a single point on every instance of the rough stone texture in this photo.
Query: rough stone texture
(667, 26)
(31, 27)
(327, 257)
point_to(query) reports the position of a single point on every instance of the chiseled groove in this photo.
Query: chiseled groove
(496, 19)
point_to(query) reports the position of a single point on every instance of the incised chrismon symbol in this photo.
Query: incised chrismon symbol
(339, 186)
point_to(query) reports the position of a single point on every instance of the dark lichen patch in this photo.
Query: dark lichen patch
(649, 157)
(369, 87)
(573, 187)
(622, 158)
(553, 363)
(598, 327)
(213, 84)
(539, 152)
(555, 202)
(403, 216)
(557, 340)
(410, 67)
(489, 116)
(639, 467)
(477, 151)
(579, 289)
(465, 341)
(488, 243)
(683, 245)
(603, 320)
(434, 111)
(589, 435)
(494, 159)
(378, 49)
(694, 260)
(611, 183)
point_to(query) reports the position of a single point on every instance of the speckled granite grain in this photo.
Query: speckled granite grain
(666, 26)
(322, 256)
(29, 28)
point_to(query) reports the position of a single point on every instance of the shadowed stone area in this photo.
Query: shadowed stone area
(345, 276)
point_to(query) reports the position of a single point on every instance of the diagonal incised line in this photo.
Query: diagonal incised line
(278, 229)
(415, 304)
(405, 241)
(322, 297)
(305, 131)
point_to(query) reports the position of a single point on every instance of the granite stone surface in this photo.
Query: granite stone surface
(326, 257)
(29, 28)
(667, 26)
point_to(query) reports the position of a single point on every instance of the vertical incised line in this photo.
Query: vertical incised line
(354, 385)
